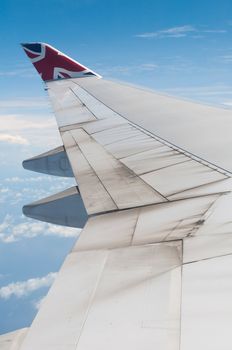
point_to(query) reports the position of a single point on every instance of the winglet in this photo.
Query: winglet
(52, 64)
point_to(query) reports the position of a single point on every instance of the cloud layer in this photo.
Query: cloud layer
(27, 121)
(24, 288)
(15, 139)
(11, 232)
(16, 128)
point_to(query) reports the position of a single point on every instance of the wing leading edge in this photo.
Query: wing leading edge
(156, 209)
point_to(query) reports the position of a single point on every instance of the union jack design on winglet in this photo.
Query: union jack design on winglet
(52, 64)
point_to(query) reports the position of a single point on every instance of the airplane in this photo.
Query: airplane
(152, 268)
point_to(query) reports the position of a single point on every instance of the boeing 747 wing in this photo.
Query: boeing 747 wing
(152, 268)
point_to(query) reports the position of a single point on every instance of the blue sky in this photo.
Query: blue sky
(179, 47)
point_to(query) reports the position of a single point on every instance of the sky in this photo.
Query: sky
(179, 47)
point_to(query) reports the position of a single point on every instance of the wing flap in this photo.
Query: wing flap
(126, 298)
(206, 305)
(147, 225)
(13, 340)
(125, 188)
(213, 238)
(95, 196)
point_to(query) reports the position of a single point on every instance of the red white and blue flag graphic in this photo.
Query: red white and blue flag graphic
(53, 64)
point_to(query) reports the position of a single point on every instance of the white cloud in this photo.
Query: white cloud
(38, 129)
(217, 31)
(11, 232)
(227, 103)
(127, 70)
(226, 58)
(213, 90)
(22, 72)
(38, 303)
(19, 189)
(174, 32)
(23, 288)
(18, 122)
(17, 179)
(62, 231)
(148, 66)
(59, 182)
(8, 220)
(34, 124)
(36, 102)
(14, 139)
(218, 95)
(180, 32)
(4, 190)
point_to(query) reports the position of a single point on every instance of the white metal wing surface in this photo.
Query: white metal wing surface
(152, 267)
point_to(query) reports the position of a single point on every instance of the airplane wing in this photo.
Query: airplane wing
(151, 267)
(12, 340)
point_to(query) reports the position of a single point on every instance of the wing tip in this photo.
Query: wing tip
(57, 65)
